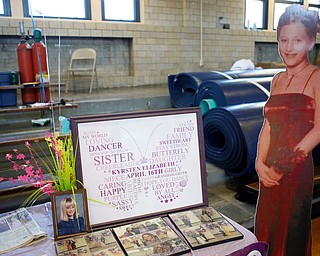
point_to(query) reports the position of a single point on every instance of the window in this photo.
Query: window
(121, 10)
(69, 9)
(5, 8)
(314, 5)
(314, 2)
(279, 8)
(256, 14)
(256, 11)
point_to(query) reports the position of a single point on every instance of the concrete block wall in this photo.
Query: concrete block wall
(167, 41)
(268, 52)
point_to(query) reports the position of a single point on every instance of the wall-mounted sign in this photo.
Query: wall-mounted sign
(140, 164)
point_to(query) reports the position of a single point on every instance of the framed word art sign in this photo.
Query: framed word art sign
(140, 164)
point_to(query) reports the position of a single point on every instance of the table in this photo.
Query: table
(35, 85)
(42, 214)
(47, 106)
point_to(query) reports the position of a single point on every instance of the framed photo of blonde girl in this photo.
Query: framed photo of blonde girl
(70, 213)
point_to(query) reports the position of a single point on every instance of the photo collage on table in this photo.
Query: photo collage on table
(150, 237)
(99, 243)
(74, 246)
(204, 227)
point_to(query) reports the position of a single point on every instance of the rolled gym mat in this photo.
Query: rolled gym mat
(231, 135)
(185, 84)
(219, 93)
(254, 73)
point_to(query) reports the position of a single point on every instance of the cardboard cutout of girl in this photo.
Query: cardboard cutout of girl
(290, 131)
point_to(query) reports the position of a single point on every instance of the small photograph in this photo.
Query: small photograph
(103, 243)
(208, 214)
(136, 228)
(132, 242)
(140, 227)
(151, 225)
(82, 251)
(110, 251)
(170, 247)
(151, 237)
(185, 219)
(208, 227)
(69, 213)
(216, 228)
(198, 235)
(71, 244)
(165, 233)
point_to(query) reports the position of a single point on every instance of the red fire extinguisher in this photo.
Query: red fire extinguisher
(40, 68)
(26, 70)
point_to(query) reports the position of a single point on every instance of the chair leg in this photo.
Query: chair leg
(97, 82)
(67, 85)
(90, 91)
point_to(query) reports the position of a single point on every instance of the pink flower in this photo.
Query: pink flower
(23, 178)
(29, 171)
(48, 135)
(20, 156)
(36, 176)
(58, 152)
(38, 171)
(12, 180)
(9, 156)
(1, 179)
(48, 188)
(38, 184)
(16, 167)
(60, 149)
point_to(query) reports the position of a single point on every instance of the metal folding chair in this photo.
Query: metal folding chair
(83, 62)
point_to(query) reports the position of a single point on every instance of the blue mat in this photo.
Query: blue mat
(254, 73)
(231, 136)
(220, 93)
(184, 85)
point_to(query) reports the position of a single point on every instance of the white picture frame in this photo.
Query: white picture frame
(140, 164)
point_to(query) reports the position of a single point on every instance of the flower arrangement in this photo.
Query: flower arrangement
(60, 166)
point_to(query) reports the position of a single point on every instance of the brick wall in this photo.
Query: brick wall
(167, 41)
